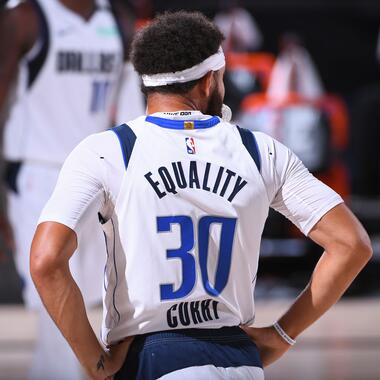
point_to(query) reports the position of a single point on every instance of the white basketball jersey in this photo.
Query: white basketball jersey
(67, 83)
(184, 238)
(184, 200)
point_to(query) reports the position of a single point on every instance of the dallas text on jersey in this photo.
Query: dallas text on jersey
(176, 179)
(75, 61)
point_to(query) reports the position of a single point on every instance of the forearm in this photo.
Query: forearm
(64, 302)
(332, 276)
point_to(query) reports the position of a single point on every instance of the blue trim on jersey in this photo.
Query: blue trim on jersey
(180, 124)
(157, 354)
(35, 65)
(127, 140)
(116, 275)
(11, 174)
(250, 143)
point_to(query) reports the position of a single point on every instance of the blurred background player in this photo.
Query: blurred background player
(62, 71)
(238, 26)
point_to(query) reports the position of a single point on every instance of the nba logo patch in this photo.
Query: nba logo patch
(190, 145)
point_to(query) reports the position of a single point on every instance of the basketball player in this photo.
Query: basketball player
(185, 195)
(68, 58)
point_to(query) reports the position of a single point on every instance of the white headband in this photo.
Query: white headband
(213, 63)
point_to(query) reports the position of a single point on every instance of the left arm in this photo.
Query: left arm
(82, 179)
(52, 247)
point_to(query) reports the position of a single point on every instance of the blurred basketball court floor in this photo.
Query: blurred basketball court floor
(343, 345)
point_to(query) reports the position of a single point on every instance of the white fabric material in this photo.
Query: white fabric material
(240, 29)
(293, 191)
(299, 126)
(226, 113)
(213, 63)
(72, 97)
(74, 93)
(294, 71)
(35, 185)
(12, 4)
(130, 100)
(210, 372)
(132, 304)
(52, 356)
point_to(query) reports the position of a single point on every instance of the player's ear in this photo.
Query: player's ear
(206, 84)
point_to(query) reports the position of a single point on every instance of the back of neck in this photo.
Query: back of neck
(170, 103)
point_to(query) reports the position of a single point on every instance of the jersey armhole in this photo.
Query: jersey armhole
(249, 141)
(39, 51)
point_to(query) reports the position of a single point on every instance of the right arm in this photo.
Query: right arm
(347, 250)
(320, 214)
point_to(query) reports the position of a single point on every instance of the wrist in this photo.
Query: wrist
(98, 367)
(283, 334)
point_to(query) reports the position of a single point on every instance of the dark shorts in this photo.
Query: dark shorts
(157, 354)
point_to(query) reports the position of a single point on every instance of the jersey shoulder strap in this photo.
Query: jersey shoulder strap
(250, 143)
(127, 140)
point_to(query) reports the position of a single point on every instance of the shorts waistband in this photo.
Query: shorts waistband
(155, 354)
(223, 334)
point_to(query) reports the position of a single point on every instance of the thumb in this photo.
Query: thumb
(120, 350)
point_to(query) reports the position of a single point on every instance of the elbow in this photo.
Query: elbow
(52, 247)
(37, 266)
(42, 265)
(360, 249)
(365, 249)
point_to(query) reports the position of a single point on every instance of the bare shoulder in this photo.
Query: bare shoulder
(19, 30)
(19, 27)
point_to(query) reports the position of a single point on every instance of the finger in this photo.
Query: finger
(252, 332)
(122, 348)
(246, 329)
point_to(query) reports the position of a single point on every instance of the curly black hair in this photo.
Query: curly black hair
(173, 42)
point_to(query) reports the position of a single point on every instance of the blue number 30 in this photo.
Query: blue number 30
(187, 259)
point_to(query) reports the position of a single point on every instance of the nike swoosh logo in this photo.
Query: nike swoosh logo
(63, 32)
